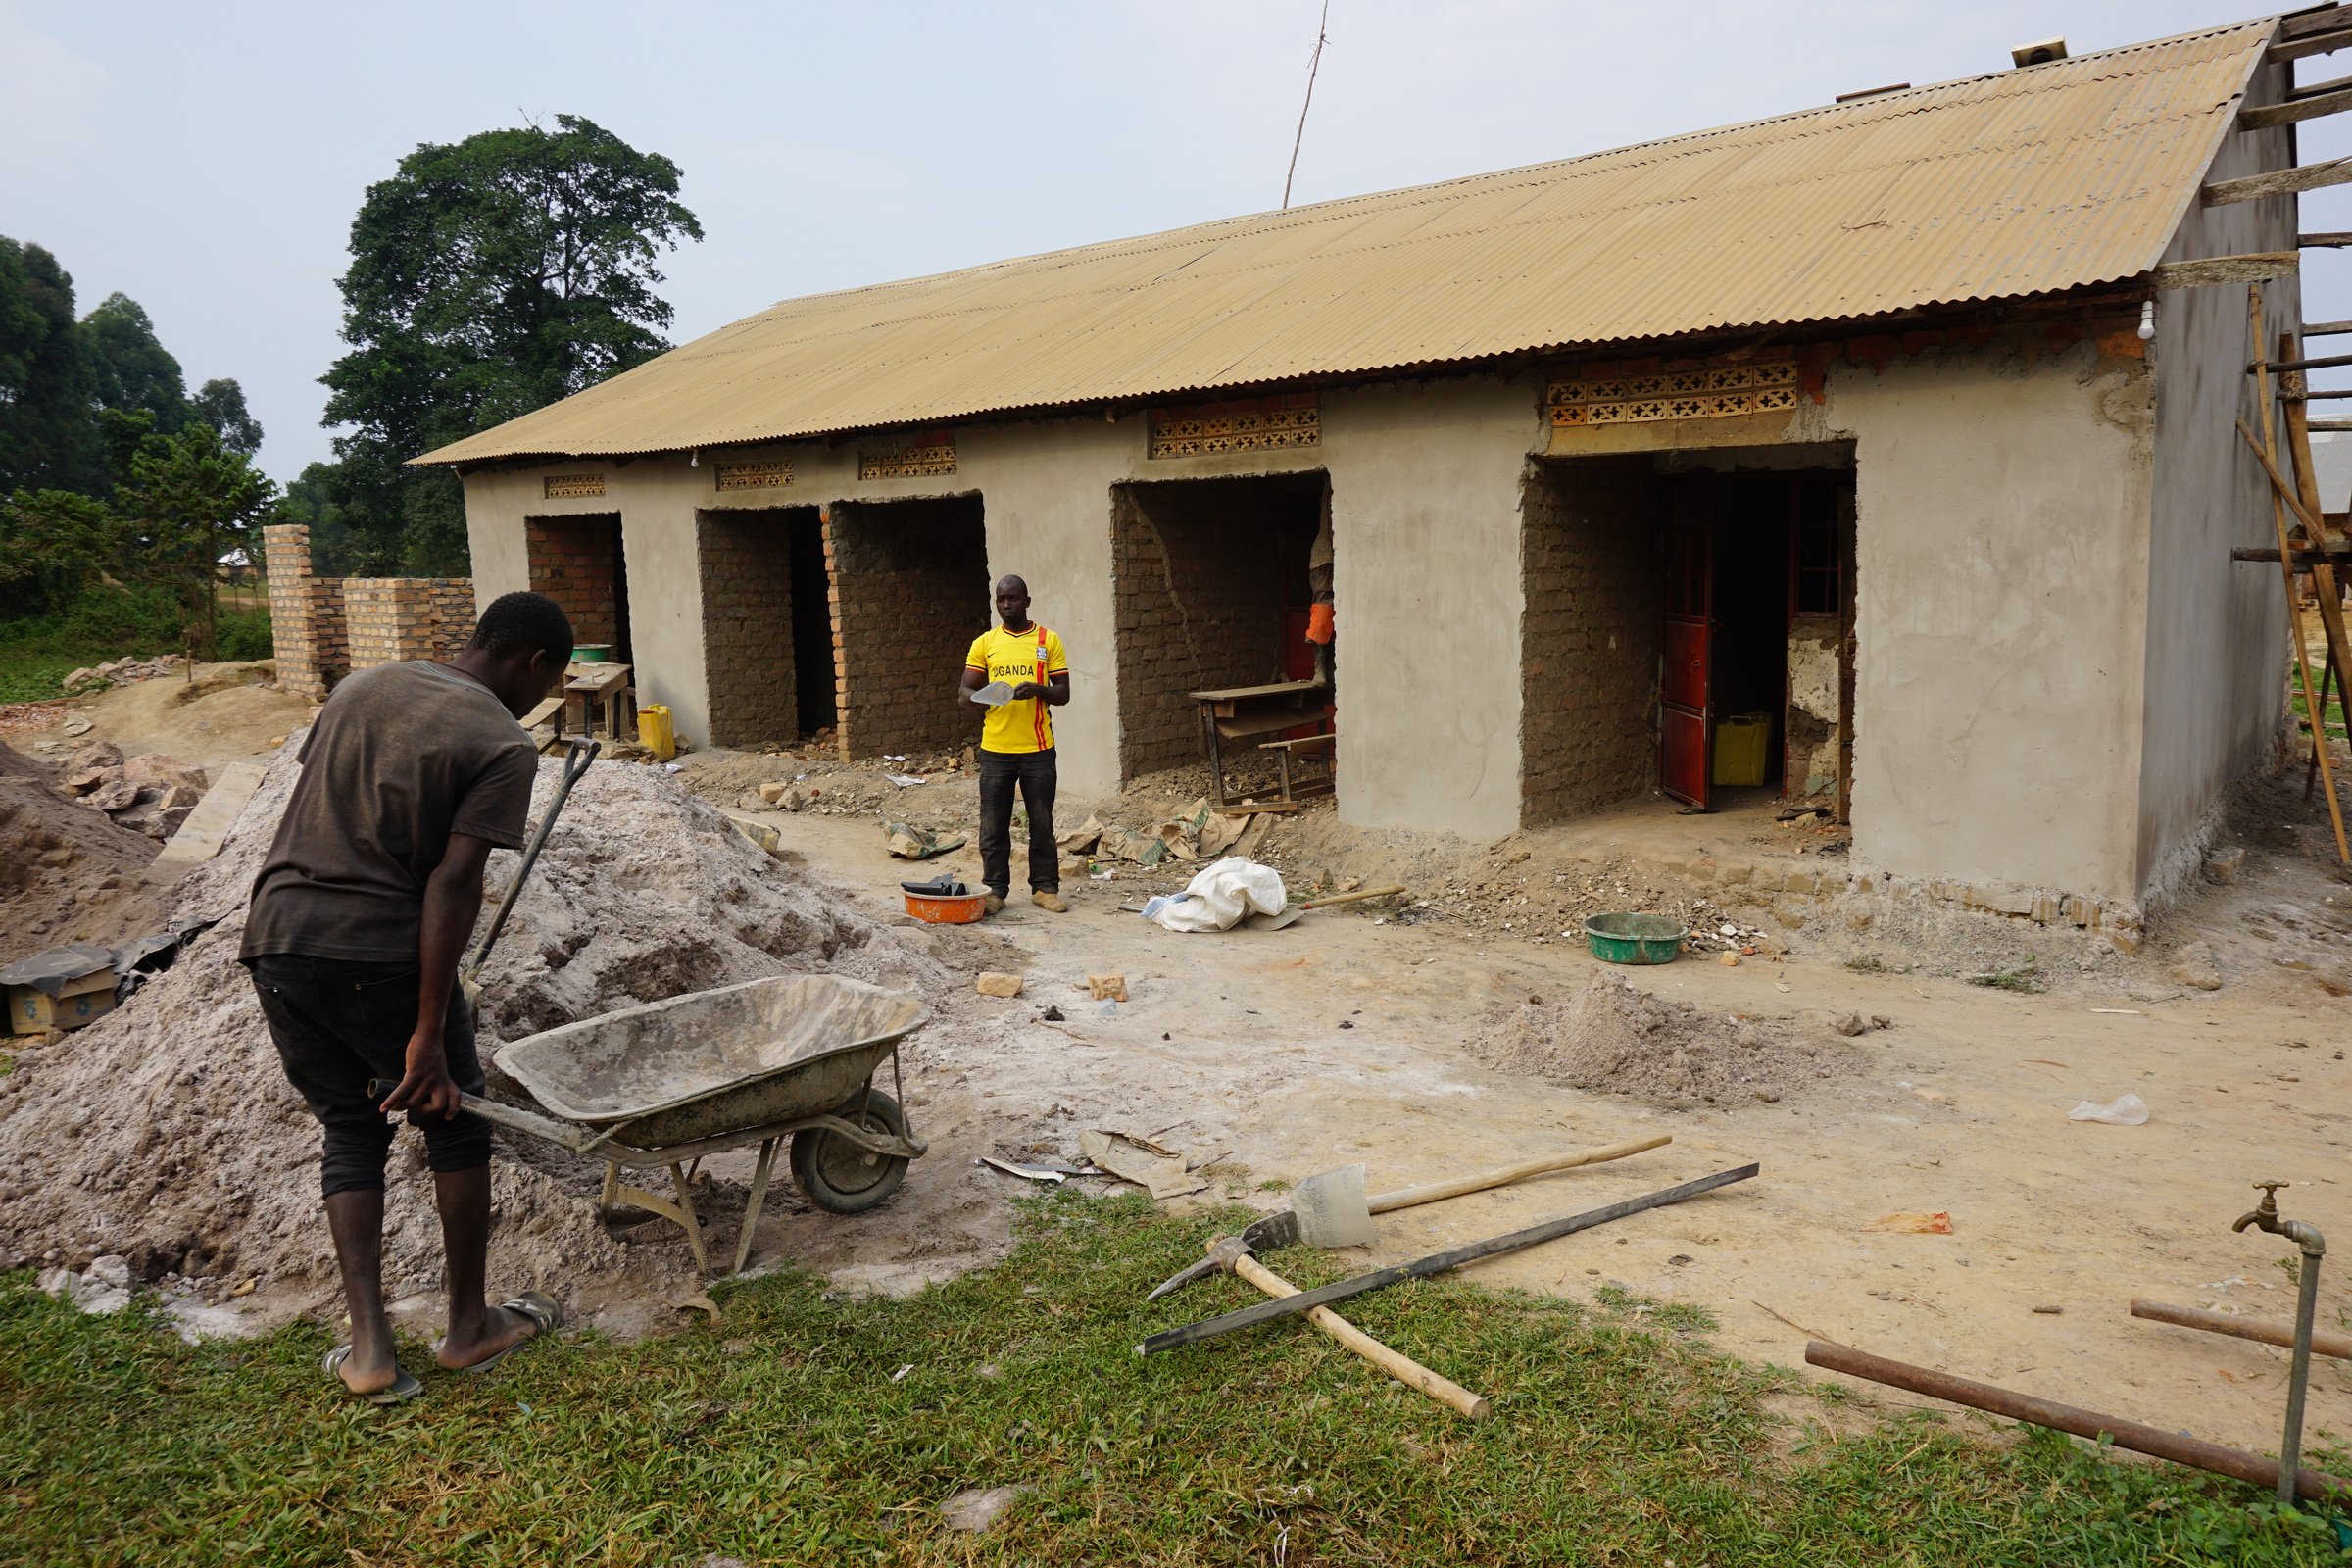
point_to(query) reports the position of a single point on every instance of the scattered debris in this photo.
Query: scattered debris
(1938, 1223)
(2197, 967)
(2125, 1111)
(993, 984)
(1106, 987)
(118, 672)
(1853, 1024)
(910, 843)
(974, 1510)
(1160, 1171)
(1034, 1173)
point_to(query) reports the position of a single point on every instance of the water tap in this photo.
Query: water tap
(2265, 1216)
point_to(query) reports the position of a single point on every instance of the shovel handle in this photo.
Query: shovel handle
(1406, 1198)
(1403, 1368)
(1390, 891)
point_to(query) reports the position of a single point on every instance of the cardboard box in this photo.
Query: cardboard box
(31, 1011)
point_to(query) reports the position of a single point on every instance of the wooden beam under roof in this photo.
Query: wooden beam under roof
(2296, 110)
(2326, 329)
(2257, 267)
(2335, 239)
(2279, 182)
(2326, 43)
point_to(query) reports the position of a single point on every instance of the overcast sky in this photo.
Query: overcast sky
(208, 159)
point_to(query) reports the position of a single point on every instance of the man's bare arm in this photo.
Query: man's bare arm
(974, 680)
(452, 902)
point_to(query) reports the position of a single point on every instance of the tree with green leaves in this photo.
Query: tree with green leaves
(489, 277)
(54, 544)
(189, 500)
(130, 369)
(220, 403)
(45, 434)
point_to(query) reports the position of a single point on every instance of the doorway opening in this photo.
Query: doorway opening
(1690, 629)
(911, 587)
(767, 624)
(1216, 583)
(578, 561)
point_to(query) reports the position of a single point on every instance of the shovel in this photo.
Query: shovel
(1290, 912)
(1329, 1210)
(575, 762)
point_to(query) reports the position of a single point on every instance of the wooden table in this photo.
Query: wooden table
(1253, 716)
(603, 688)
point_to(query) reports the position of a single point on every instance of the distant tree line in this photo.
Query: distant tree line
(119, 491)
(488, 277)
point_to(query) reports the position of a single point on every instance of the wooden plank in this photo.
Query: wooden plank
(2257, 267)
(2332, 240)
(203, 829)
(2262, 117)
(2300, 560)
(2326, 43)
(1240, 693)
(2279, 182)
(2326, 329)
(2332, 424)
(2319, 89)
(2315, 397)
(2310, 20)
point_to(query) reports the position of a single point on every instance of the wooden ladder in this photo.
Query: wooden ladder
(2301, 498)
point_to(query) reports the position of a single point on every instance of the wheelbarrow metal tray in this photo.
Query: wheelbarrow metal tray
(716, 1062)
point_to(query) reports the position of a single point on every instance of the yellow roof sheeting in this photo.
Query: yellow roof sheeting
(2030, 180)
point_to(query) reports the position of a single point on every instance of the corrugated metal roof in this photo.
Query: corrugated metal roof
(2022, 182)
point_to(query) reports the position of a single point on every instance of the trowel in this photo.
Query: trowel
(995, 694)
(1330, 1208)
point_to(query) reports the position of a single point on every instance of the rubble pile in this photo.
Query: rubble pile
(95, 678)
(149, 792)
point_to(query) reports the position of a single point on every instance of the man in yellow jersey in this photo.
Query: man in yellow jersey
(1016, 746)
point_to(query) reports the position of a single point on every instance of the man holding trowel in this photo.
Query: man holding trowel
(413, 774)
(1021, 672)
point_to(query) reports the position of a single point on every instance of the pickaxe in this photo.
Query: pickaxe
(1330, 1208)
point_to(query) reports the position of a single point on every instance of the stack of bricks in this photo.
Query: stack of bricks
(1592, 571)
(909, 592)
(745, 561)
(389, 620)
(575, 561)
(1197, 577)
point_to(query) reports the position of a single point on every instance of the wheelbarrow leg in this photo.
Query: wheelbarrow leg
(693, 1224)
(751, 1210)
(611, 1192)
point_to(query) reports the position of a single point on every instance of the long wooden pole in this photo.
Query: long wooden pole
(2268, 452)
(2322, 572)
(1403, 1368)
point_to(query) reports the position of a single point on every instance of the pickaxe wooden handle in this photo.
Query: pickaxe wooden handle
(1432, 1192)
(1403, 1368)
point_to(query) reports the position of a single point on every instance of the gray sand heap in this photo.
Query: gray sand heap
(167, 1133)
(1616, 1038)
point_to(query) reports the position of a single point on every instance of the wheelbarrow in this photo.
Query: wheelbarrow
(672, 1081)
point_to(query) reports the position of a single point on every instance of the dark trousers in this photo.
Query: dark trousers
(338, 1024)
(1033, 774)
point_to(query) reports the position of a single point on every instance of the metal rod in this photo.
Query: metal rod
(2138, 1437)
(2298, 1379)
(1435, 1263)
(2260, 1330)
(2300, 560)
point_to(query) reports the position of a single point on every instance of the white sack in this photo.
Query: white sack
(1217, 899)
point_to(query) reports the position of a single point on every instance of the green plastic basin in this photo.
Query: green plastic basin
(1635, 938)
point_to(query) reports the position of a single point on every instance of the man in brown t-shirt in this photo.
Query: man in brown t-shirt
(412, 776)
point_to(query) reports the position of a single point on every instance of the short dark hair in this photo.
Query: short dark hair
(523, 622)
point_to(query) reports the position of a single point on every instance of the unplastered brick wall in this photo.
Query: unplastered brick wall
(1202, 572)
(1592, 563)
(323, 627)
(745, 562)
(576, 562)
(910, 591)
(388, 619)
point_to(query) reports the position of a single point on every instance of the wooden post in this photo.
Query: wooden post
(2268, 452)
(2322, 571)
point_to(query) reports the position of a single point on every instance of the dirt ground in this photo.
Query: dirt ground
(1370, 1033)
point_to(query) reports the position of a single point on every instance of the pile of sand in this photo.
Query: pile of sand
(1617, 1040)
(67, 872)
(167, 1133)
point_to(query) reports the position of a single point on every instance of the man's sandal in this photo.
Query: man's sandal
(545, 1317)
(401, 1390)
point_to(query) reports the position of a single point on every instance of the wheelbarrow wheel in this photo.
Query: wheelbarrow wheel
(838, 1176)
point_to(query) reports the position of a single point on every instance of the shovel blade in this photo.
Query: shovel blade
(1332, 1208)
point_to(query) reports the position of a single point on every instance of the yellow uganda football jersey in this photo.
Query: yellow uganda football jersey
(1013, 658)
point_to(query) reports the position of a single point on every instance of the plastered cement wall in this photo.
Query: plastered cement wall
(2217, 651)
(1425, 506)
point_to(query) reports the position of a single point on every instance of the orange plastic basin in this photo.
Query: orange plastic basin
(948, 909)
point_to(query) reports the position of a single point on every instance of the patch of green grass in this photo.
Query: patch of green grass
(1870, 964)
(2025, 978)
(1274, 1184)
(780, 1434)
(35, 655)
(2302, 710)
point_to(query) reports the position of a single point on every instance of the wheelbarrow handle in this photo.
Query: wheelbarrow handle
(516, 1119)
(575, 762)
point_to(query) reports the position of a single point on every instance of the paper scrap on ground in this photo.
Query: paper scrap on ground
(2125, 1111)
(1034, 1173)
(1129, 1160)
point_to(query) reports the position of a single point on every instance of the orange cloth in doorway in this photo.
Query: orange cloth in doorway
(1318, 624)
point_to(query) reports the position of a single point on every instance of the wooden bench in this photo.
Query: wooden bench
(1320, 745)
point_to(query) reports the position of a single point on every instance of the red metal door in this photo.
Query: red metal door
(1684, 715)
